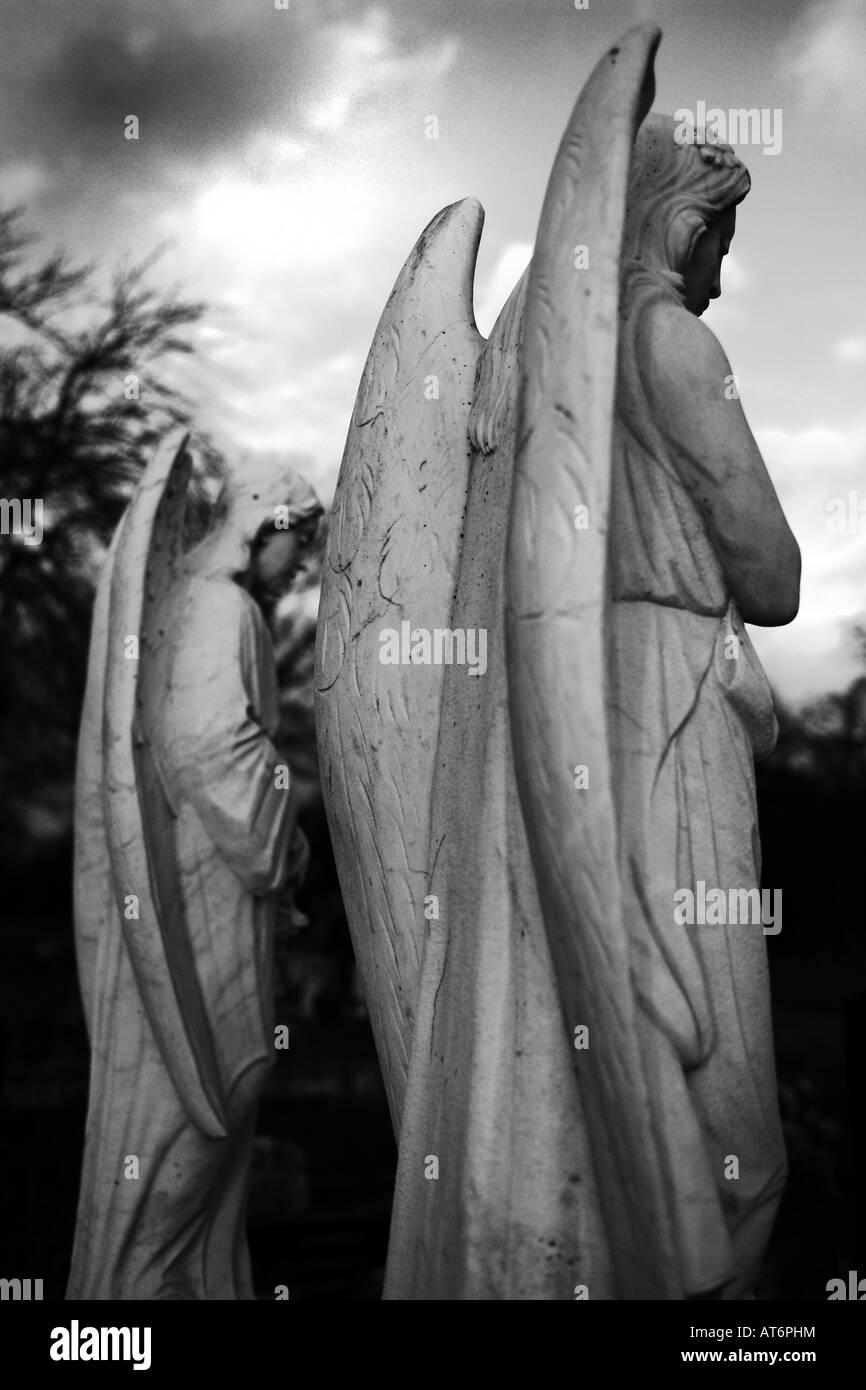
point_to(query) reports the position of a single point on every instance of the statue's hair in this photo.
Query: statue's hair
(675, 191)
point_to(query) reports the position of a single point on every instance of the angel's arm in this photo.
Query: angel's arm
(219, 757)
(691, 388)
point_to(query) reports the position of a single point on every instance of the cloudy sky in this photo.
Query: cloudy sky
(283, 156)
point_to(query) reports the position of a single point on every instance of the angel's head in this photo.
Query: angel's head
(279, 553)
(265, 524)
(681, 211)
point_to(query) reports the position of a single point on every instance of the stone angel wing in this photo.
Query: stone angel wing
(514, 961)
(126, 871)
(391, 567)
(556, 591)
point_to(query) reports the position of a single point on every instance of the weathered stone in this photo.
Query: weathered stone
(571, 1068)
(183, 837)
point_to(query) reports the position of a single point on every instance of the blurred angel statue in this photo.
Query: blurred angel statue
(185, 834)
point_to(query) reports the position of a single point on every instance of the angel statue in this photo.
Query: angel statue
(581, 1083)
(185, 833)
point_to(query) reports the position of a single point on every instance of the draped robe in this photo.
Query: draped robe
(177, 1230)
(690, 711)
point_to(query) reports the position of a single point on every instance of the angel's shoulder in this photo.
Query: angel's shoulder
(215, 618)
(677, 354)
(206, 599)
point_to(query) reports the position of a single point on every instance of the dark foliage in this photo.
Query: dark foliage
(83, 401)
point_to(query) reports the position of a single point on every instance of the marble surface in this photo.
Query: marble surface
(185, 830)
(570, 1069)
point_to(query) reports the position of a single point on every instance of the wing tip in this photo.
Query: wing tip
(639, 46)
(452, 237)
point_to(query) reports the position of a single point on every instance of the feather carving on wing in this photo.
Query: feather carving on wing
(137, 815)
(556, 598)
(392, 561)
(457, 1003)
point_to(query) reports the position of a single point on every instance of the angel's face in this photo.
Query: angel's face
(278, 557)
(702, 276)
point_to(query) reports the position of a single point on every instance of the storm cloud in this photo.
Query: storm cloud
(283, 158)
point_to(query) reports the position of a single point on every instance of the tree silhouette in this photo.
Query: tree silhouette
(83, 401)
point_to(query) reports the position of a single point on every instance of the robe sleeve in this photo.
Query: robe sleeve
(218, 757)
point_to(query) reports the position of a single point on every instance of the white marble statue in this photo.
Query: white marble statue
(570, 1068)
(185, 832)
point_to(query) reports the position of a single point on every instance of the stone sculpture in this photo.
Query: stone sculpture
(569, 1067)
(185, 832)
